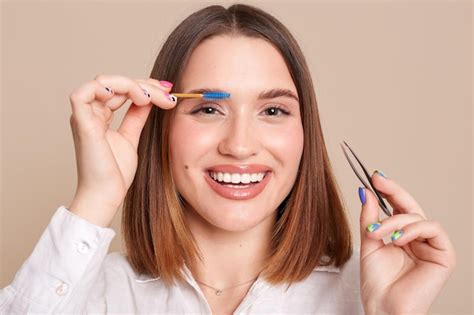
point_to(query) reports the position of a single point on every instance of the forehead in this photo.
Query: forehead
(236, 63)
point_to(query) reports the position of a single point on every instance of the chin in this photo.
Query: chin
(232, 198)
(235, 219)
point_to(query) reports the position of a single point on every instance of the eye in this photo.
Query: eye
(205, 110)
(276, 111)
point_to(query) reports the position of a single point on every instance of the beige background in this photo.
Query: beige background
(394, 79)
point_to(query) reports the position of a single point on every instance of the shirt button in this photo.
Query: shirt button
(82, 247)
(62, 288)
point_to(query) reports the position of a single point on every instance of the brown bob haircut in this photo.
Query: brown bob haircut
(311, 221)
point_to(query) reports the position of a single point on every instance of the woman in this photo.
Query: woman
(230, 205)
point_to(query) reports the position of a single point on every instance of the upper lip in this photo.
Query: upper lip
(240, 169)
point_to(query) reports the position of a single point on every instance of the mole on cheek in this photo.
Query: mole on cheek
(186, 167)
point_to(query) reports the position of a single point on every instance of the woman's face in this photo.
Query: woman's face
(254, 133)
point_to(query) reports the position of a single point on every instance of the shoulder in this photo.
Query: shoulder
(349, 267)
(326, 290)
(341, 283)
(126, 291)
(117, 263)
(352, 266)
(345, 278)
(115, 259)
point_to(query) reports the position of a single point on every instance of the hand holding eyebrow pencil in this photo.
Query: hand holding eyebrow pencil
(107, 159)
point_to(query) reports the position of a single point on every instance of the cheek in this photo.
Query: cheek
(189, 141)
(286, 143)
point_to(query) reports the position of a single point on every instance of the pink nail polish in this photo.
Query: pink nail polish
(166, 84)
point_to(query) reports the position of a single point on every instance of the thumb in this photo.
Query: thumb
(369, 215)
(133, 122)
(136, 116)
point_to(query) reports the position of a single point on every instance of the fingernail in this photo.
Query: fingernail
(373, 227)
(166, 84)
(396, 235)
(146, 93)
(109, 90)
(171, 97)
(380, 173)
(362, 195)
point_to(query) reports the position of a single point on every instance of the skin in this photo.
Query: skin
(401, 277)
(241, 130)
(405, 275)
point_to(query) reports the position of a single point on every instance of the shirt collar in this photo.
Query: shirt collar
(331, 268)
(145, 278)
(328, 268)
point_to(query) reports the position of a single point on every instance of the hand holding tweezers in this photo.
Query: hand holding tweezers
(371, 187)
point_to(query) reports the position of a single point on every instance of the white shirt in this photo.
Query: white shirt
(70, 271)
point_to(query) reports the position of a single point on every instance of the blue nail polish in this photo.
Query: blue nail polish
(396, 235)
(362, 195)
(372, 227)
(381, 173)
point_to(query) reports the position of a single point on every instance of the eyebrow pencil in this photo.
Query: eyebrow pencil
(205, 95)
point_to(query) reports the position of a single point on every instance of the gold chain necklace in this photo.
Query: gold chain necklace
(218, 292)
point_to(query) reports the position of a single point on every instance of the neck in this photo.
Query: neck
(229, 258)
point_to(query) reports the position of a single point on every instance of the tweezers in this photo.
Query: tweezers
(371, 187)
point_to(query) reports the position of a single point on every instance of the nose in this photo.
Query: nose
(240, 139)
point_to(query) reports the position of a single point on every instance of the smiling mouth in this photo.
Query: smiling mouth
(236, 180)
(238, 185)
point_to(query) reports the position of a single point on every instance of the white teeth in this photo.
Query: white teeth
(236, 178)
(245, 178)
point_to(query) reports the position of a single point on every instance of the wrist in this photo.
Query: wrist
(93, 212)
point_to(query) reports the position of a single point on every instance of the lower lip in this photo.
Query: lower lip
(241, 193)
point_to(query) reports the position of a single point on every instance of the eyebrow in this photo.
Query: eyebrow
(264, 95)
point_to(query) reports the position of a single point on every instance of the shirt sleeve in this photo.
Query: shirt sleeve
(62, 270)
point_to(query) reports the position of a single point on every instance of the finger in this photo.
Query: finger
(126, 86)
(398, 197)
(159, 95)
(118, 100)
(140, 93)
(133, 122)
(105, 113)
(390, 224)
(135, 118)
(425, 252)
(369, 215)
(163, 84)
(82, 97)
(91, 90)
(428, 230)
